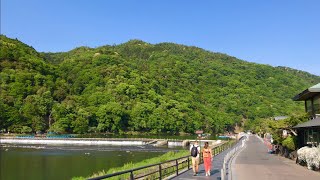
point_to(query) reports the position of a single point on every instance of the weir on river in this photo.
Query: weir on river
(101, 141)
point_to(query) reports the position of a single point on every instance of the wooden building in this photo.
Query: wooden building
(309, 132)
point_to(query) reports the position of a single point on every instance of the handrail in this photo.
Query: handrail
(216, 150)
(136, 169)
(226, 171)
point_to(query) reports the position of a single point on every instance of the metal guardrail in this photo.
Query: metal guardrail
(162, 170)
(226, 166)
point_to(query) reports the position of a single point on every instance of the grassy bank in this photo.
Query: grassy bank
(165, 157)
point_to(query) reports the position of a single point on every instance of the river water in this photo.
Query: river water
(38, 162)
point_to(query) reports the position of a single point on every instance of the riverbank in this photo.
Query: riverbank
(71, 141)
(101, 141)
(165, 157)
(130, 134)
(151, 166)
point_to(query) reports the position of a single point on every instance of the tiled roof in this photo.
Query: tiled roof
(308, 93)
(315, 88)
(312, 123)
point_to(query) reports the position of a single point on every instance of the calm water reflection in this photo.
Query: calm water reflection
(48, 162)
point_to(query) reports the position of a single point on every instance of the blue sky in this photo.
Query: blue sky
(279, 33)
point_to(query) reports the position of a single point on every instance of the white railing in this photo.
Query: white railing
(226, 167)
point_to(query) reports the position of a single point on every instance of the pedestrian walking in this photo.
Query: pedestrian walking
(207, 158)
(195, 151)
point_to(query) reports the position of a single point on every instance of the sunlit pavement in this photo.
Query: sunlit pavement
(254, 163)
(215, 169)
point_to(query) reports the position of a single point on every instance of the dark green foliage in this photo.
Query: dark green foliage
(137, 86)
(25, 89)
(263, 126)
(290, 142)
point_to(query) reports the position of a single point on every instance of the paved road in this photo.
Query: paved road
(215, 169)
(254, 163)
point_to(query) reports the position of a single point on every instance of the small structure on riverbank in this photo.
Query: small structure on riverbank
(277, 118)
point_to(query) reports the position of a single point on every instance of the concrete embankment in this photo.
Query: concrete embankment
(73, 142)
(100, 141)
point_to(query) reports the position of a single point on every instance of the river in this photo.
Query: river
(38, 162)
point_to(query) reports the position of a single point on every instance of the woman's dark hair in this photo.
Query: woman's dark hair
(206, 145)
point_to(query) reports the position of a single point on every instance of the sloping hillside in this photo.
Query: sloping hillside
(137, 86)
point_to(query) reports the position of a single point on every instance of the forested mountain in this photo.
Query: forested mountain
(137, 86)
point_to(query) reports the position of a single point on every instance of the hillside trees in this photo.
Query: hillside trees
(137, 86)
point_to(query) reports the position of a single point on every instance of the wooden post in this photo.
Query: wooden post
(131, 175)
(160, 173)
(177, 165)
(313, 109)
(305, 106)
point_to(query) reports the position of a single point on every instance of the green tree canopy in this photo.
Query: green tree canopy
(137, 86)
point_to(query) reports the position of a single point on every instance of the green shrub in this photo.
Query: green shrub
(26, 129)
(290, 142)
(15, 129)
(277, 138)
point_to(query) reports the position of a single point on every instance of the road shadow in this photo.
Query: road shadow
(213, 172)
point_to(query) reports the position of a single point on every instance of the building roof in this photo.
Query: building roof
(308, 93)
(312, 123)
(280, 118)
(199, 132)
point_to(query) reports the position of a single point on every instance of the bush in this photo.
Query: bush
(310, 156)
(15, 129)
(92, 130)
(277, 139)
(26, 129)
(290, 142)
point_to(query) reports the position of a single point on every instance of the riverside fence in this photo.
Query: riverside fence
(164, 170)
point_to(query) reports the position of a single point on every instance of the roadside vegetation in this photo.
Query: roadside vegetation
(275, 128)
(165, 157)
